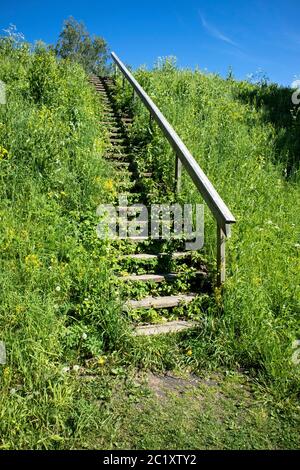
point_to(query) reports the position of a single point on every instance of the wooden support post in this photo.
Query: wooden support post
(221, 266)
(178, 169)
(134, 97)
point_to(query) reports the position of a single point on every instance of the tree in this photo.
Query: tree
(76, 44)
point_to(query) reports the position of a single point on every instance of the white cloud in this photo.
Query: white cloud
(213, 31)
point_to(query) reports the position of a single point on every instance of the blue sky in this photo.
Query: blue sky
(213, 35)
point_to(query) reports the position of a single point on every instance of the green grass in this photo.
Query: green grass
(57, 304)
(246, 139)
(217, 412)
(73, 373)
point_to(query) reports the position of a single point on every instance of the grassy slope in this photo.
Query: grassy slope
(58, 306)
(246, 140)
(54, 277)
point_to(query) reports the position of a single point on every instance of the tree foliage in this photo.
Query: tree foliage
(76, 44)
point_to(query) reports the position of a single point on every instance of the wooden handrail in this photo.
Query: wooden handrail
(215, 203)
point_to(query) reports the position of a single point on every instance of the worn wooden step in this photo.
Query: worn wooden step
(164, 328)
(116, 155)
(108, 109)
(122, 166)
(110, 122)
(117, 149)
(117, 140)
(148, 256)
(116, 136)
(116, 130)
(137, 238)
(168, 301)
(158, 277)
(149, 277)
(112, 118)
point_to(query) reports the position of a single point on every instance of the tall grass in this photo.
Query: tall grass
(55, 282)
(238, 143)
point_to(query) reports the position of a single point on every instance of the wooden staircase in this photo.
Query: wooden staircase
(120, 155)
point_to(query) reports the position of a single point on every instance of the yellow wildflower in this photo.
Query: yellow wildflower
(101, 361)
(189, 352)
(109, 185)
(32, 261)
(20, 308)
(3, 153)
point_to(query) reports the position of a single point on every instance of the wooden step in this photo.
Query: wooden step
(169, 277)
(164, 328)
(118, 150)
(148, 256)
(117, 140)
(116, 155)
(168, 301)
(149, 277)
(116, 132)
(137, 238)
(121, 165)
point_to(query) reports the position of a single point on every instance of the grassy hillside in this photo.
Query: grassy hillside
(71, 379)
(246, 139)
(54, 278)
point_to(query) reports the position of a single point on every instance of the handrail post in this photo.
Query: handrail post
(178, 171)
(221, 256)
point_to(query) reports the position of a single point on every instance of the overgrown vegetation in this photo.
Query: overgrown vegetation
(57, 304)
(249, 152)
(73, 378)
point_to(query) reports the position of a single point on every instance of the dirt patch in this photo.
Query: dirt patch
(161, 385)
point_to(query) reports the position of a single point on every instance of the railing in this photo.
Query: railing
(220, 211)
